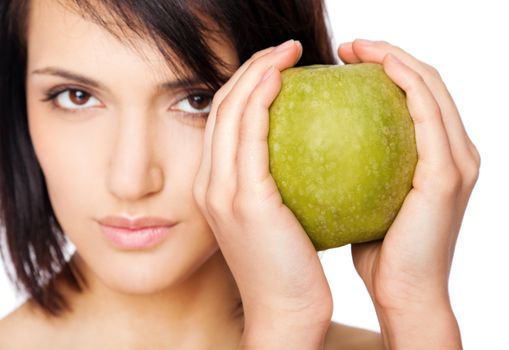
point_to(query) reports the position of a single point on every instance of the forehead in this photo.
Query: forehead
(61, 34)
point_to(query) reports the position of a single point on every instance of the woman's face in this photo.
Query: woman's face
(115, 141)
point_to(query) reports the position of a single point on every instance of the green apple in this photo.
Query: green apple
(342, 151)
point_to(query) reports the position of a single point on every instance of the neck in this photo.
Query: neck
(200, 312)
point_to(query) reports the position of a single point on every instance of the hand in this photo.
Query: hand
(409, 269)
(276, 268)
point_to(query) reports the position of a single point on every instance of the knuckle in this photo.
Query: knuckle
(220, 93)
(417, 78)
(448, 184)
(417, 85)
(259, 54)
(222, 108)
(253, 99)
(451, 182)
(414, 83)
(476, 155)
(473, 177)
(436, 111)
(244, 132)
(219, 96)
(394, 49)
(260, 65)
(241, 207)
(471, 173)
(432, 70)
(255, 59)
(214, 202)
(259, 62)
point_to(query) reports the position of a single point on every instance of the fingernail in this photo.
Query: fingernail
(268, 73)
(300, 51)
(284, 46)
(345, 44)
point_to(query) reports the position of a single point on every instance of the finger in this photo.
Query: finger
(225, 89)
(201, 181)
(253, 153)
(461, 145)
(347, 54)
(226, 132)
(364, 256)
(432, 143)
(202, 178)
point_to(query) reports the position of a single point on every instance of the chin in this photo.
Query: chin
(151, 272)
(138, 285)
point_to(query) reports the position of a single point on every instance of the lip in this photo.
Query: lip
(135, 233)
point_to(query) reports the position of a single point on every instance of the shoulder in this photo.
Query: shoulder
(343, 337)
(24, 328)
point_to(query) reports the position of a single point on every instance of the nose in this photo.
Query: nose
(133, 174)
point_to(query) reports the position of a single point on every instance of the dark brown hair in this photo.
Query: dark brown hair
(34, 239)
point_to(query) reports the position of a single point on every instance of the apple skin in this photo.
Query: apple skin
(342, 150)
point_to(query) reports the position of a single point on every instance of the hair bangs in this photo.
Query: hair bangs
(176, 28)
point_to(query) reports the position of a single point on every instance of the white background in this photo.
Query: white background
(464, 40)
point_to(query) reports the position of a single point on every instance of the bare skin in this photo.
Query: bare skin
(135, 157)
(142, 158)
(182, 295)
(51, 334)
(204, 318)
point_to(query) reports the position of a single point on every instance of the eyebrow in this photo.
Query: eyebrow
(168, 85)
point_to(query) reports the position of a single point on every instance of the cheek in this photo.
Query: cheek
(181, 159)
(181, 156)
(69, 160)
(75, 156)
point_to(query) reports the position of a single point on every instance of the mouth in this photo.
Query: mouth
(140, 233)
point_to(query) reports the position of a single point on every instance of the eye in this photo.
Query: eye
(74, 99)
(196, 103)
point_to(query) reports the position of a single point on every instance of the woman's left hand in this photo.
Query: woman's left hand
(285, 294)
(407, 273)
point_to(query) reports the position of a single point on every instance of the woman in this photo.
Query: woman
(139, 130)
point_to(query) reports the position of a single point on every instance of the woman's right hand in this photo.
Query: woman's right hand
(286, 297)
(407, 273)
